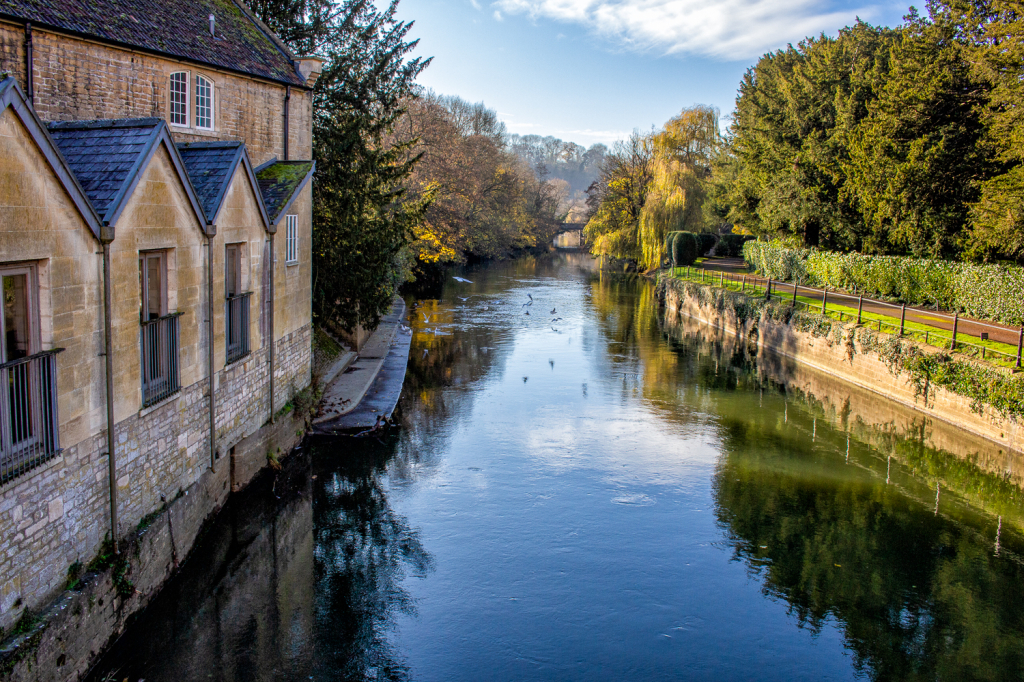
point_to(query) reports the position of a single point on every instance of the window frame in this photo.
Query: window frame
(171, 103)
(144, 283)
(291, 240)
(199, 78)
(30, 271)
(233, 257)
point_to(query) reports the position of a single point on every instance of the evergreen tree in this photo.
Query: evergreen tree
(361, 219)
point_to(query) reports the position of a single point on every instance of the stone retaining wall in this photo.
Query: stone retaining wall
(850, 361)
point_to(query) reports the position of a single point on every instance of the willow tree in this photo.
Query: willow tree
(616, 199)
(682, 158)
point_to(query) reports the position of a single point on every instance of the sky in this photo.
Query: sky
(591, 71)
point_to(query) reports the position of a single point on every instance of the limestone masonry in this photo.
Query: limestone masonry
(160, 151)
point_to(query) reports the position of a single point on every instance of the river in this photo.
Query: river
(604, 497)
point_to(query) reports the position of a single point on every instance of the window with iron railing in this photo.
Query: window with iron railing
(236, 312)
(159, 333)
(28, 378)
(237, 335)
(28, 413)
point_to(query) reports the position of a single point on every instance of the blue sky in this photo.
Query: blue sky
(592, 70)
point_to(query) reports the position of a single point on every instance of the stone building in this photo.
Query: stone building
(155, 232)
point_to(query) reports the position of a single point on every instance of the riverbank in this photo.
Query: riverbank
(886, 364)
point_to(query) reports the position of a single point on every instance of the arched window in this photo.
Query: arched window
(179, 98)
(204, 103)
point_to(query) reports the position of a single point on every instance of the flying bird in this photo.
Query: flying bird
(426, 318)
(553, 311)
(529, 296)
(461, 279)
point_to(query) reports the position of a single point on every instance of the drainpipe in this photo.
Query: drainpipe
(108, 352)
(270, 325)
(213, 377)
(29, 83)
(287, 101)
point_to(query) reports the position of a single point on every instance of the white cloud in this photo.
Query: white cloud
(476, 5)
(497, 16)
(728, 29)
(586, 137)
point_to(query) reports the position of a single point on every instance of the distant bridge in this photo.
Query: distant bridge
(570, 236)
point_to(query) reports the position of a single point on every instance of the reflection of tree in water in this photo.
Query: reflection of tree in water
(919, 596)
(363, 552)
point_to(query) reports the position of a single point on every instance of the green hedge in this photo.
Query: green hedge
(704, 242)
(731, 245)
(992, 292)
(669, 239)
(684, 248)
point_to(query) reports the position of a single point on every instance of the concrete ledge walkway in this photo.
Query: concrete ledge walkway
(371, 383)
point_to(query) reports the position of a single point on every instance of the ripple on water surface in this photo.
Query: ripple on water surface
(594, 494)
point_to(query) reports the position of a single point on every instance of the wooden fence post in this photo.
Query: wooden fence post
(768, 290)
(860, 307)
(824, 299)
(903, 318)
(796, 285)
(743, 287)
(1020, 344)
(956, 321)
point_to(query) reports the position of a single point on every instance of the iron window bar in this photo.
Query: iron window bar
(160, 358)
(237, 326)
(28, 413)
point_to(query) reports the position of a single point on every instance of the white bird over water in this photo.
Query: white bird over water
(461, 279)
(426, 318)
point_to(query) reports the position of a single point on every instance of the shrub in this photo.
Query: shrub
(731, 245)
(684, 249)
(994, 292)
(669, 253)
(705, 242)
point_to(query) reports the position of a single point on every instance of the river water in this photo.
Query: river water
(605, 496)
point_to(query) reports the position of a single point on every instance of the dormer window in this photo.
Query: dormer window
(204, 103)
(179, 98)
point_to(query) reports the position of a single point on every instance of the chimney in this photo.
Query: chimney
(213, 26)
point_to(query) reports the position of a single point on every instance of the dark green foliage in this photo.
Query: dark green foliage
(873, 141)
(669, 252)
(705, 242)
(361, 220)
(731, 245)
(684, 249)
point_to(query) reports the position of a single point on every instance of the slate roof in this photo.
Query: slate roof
(179, 28)
(210, 166)
(280, 181)
(104, 155)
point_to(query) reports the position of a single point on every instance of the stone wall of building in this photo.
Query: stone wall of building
(79, 79)
(293, 282)
(58, 513)
(80, 624)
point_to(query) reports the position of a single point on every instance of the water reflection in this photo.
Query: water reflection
(608, 497)
(364, 550)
